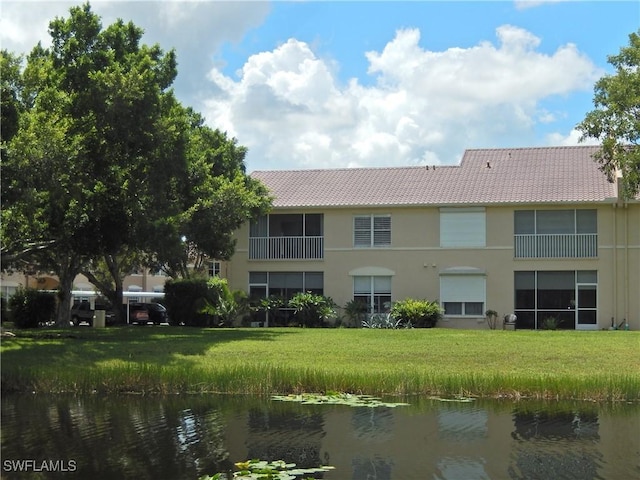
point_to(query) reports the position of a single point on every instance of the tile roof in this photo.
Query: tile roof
(484, 176)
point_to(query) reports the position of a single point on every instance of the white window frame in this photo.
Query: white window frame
(373, 292)
(375, 235)
(214, 268)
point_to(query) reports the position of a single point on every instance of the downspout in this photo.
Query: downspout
(615, 265)
(626, 264)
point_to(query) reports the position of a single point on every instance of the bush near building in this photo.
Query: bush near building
(417, 313)
(31, 308)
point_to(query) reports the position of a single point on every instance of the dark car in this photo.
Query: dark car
(82, 312)
(138, 313)
(157, 313)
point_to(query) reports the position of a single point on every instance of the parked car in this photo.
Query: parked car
(82, 312)
(138, 313)
(157, 313)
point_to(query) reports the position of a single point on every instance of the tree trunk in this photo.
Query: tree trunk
(112, 287)
(68, 269)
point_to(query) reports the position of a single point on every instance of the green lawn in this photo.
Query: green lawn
(602, 365)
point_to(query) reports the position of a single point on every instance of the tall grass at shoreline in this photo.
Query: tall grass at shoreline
(559, 365)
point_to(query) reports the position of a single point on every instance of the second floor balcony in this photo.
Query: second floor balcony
(286, 248)
(580, 245)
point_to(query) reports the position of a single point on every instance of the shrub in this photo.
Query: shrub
(32, 308)
(550, 323)
(417, 313)
(185, 300)
(384, 320)
(356, 311)
(312, 310)
(221, 303)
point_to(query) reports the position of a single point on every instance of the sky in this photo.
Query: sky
(319, 84)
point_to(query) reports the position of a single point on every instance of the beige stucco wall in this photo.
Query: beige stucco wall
(417, 258)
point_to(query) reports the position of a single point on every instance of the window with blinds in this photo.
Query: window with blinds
(372, 231)
(373, 291)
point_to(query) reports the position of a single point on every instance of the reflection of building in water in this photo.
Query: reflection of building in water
(548, 443)
(292, 433)
(441, 441)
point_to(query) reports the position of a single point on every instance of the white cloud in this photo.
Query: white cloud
(425, 106)
(571, 139)
(524, 4)
(196, 29)
(288, 106)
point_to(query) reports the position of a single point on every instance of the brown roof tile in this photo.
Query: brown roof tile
(517, 175)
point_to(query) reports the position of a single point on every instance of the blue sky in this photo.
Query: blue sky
(350, 84)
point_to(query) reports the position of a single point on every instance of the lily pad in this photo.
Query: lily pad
(454, 399)
(337, 399)
(263, 470)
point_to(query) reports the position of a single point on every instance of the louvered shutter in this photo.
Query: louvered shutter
(362, 231)
(382, 231)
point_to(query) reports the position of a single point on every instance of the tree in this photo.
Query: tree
(215, 197)
(616, 120)
(105, 165)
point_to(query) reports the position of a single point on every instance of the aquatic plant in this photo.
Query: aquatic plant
(263, 470)
(335, 398)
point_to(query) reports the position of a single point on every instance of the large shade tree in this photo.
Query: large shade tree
(105, 167)
(615, 122)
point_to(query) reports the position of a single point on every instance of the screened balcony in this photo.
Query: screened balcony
(287, 237)
(556, 234)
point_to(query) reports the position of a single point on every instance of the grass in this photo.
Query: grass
(602, 365)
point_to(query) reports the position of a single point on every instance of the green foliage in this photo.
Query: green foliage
(470, 363)
(417, 313)
(550, 323)
(384, 320)
(200, 302)
(101, 162)
(221, 302)
(356, 312)
(312, 310)
(184, 300)
(336, 398)
(614, 122)
(262, 470)
(31, 308)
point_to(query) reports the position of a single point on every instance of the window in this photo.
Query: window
(462, 227)
(373, 291)
(284, 285)
(372, 231)
(568, 297)
(214, 268)
(463, 294)
(287, 284)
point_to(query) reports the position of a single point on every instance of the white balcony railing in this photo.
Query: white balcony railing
(285, 248)
(581, 245)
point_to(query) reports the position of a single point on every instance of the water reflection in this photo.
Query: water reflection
(184, 437)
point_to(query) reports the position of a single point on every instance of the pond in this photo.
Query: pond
(185, 437)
